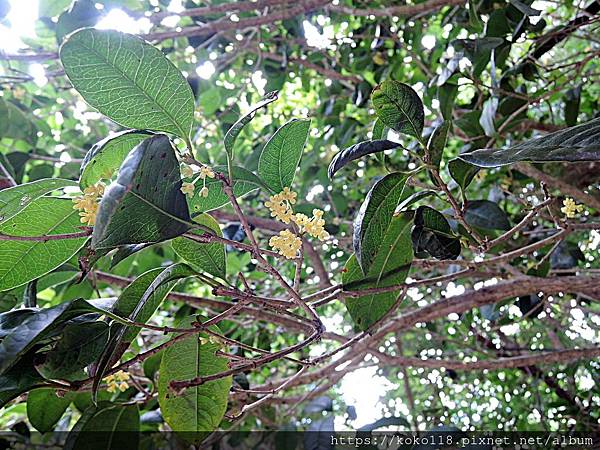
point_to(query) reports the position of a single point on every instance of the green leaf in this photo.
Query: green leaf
(399, 107)
(379, 130)
(437, 143)
(79, 345)
(413, 198)
(486, 214)
(281, 155)
(197, 410)
(433, 236)
(106, 156)
(14, 124)
(22, 261)
(236, 128)
(16, 198)
(145, 203)
(375, 216)
(446, 95)
(137, 302)
(21, 378)
(390, 267)
(208, 258)
(82, 13)
(34, 328)
(113, 426)
(462, 173)
(579, 143)
(356, 151)
(45, 408)
(572, 102)
(244, 183)
(129, 81)
(210, 101)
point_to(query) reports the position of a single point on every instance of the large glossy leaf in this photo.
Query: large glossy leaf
(208, 258)
(137, 302)
(486, 214)
(106, 156)
(374, 218)
(399, 107)
(15, 199)
(236, 128)
(432, 235)
(197, 410)
(129, 81)
(35, 327)
(14, 124)
(145, 203)
(390, 267)
(22, 261)
(358, 151)
(579, 143)
(244, 183)
(45, 408)
(79, 345)
(281, 155)
(113, 426)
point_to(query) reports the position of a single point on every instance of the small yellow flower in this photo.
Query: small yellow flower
(187, 188)
(206, 171)
(204, 192)
(187, 171)
(570, 209)
(96, 190)
(287, 244)
(288, 195)
(83, 203)
(18, 93)
(117, 381)
(300, 219)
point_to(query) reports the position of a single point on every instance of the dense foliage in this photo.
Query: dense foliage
(213, 222)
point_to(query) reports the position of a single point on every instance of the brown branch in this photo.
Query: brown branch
(555, 183)
(49, 237)
(390, 11)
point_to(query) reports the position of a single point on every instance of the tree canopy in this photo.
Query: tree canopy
(213, 215)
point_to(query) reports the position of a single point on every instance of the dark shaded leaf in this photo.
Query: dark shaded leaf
(236, 128)
(375, 216)
(437, 143)
(137, 302)
(433, 236)
(21, 378)
(79, 345)
(486, 214)
(579, 143)
(572, 101)
(462, 172)
(399, 107)
(145, 203)
(525, 8)
(358, 151)
(319, 434)
(318, 405)
(413, 198)
(14, 124)
(385, 422)
(106, 426)
(390, 268)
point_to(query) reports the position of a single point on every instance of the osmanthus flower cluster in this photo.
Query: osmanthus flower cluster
(288, 243)
(88, 203)
(188, 171)
(570, 209)
(117, 381)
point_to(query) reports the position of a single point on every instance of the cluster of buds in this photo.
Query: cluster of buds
(288, 243)
(88, 203)
(117, 382)
(570, 209)
(188, 171)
